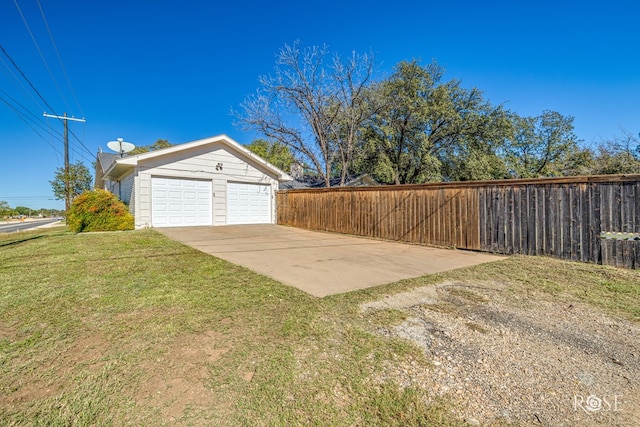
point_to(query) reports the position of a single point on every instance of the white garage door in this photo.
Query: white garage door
(180, 202)
(248, 203)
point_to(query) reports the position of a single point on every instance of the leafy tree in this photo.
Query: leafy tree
(158, 145)
(471, 133)
(621, 154)
(580, 161)
(5, 209)
(398, 148)
(274, 152)
(311, 107)
(425, 130)
(541, 146)
(79, 179)
(23, 210)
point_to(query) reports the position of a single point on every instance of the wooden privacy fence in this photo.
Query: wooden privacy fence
(567, 218)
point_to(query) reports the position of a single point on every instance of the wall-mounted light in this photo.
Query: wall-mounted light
(219, 166)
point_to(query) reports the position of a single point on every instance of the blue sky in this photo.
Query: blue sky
(144, 70)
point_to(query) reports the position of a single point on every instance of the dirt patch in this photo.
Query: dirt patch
(46, 378)
(503, 358)
(176, 380)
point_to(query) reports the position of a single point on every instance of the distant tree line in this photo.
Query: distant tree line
(336, 117)
(6, 211)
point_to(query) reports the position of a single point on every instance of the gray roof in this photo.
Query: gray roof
(309, 181)
(106, 159)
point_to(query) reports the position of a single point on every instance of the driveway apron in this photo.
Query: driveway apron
(322, 263)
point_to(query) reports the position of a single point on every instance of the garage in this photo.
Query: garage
(208, 182)
(248, 203)
(178, 202)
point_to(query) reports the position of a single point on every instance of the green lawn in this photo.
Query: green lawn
(130, 328)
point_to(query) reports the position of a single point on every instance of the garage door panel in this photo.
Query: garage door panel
(179, 202)
(248, 203)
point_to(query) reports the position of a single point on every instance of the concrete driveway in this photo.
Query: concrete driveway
(321, 263)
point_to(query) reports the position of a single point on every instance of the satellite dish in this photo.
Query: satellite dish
(120, 146)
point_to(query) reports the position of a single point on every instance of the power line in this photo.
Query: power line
(49, 69)
(64, 70)
(44, 61)
(67, 185)
(31, 116)
(25, 197)
(26, 78)
(82, 146)
(41, 97)
(32, 120)
(89, 152)
(22, 117)
(21, 84)
(81, 143)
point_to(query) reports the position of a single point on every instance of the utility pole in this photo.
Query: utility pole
(67, 189)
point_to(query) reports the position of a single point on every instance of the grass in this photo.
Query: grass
(130, 328)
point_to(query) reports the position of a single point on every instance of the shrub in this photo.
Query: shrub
(98, 210)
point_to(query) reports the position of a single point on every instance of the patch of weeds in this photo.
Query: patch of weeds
(618, 287)
(466, 294)
(550, 286)
(442, 307)
(386, 317)
(476, 327)
(616, 290)
(402, 348)
(391, 405)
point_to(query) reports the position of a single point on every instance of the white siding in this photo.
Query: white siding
(126, 189)
(199, 163)
(111, 186)
(132, 198)
(123, 189)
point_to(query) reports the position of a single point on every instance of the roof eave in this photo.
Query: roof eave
(119, 168)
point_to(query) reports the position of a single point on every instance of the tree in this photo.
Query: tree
(541, 146)
(158, 145)
(621, 154)
(425, 130)
(353, 106)
(5, 209)
(470, 132)
(398, 147)
(313, 108)
(23, 210)
(580, 161)
(274, 152)
(79, 181)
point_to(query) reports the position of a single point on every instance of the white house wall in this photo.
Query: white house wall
(127, 193)
(198, 164)
(123, 189)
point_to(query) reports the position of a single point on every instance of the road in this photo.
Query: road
(12, 227)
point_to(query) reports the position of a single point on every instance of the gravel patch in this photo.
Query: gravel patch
(505, 359)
